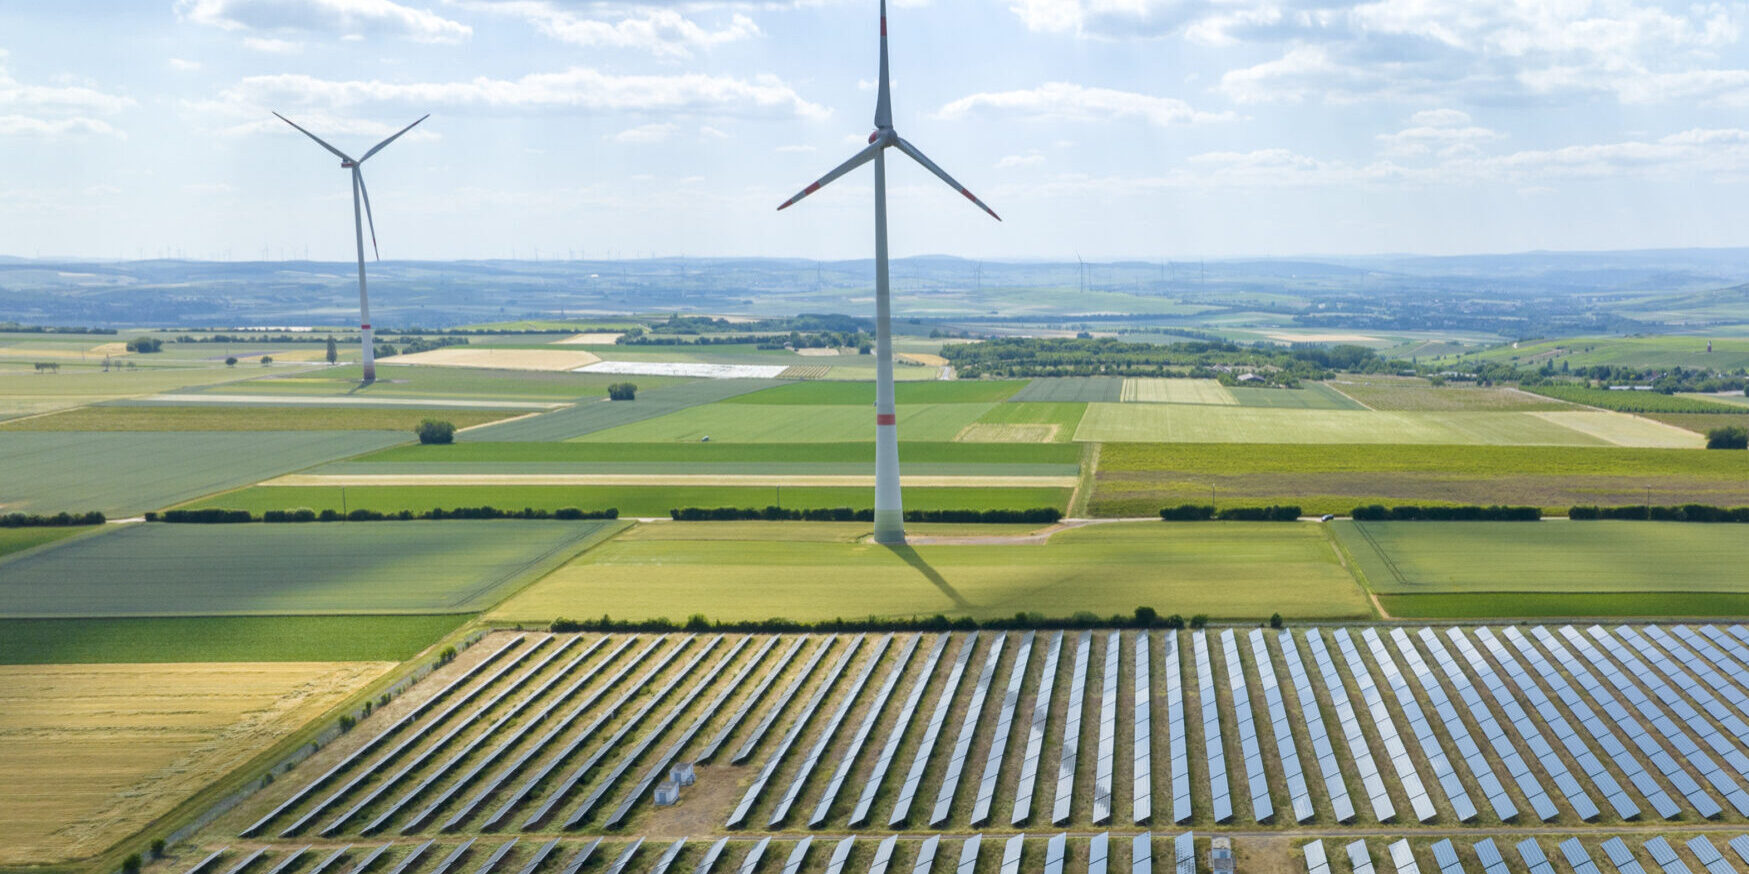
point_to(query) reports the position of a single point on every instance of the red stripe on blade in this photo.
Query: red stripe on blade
(886, 419)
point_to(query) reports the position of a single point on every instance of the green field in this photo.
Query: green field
(20, 539)
(1188, 423)
(758, 423)
(644, 501)
(1480, 558)
(251, 418)
(1224, 569)
(1635, 401)
(440, 382)
(1559, 605)
(1072, 389)
(221, 639)
(1058, 421)
(1309, 396)
(1644, 352)
(1137, 479)
(1411, 393)
(600, 415)
(123, 473)
(860, 452)
(817, 393)
(158, 569)
(1176, 391)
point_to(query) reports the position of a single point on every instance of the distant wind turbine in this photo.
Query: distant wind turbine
(358, 190)
(889, 522)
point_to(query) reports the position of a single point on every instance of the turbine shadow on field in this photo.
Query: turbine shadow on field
(910, 556)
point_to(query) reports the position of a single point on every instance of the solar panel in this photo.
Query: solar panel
(1359, 858)
(1098, 850)
(931, 732)
(1071, 751)
(214, 857)
(534, 861)
(619, 863)
(1251, 753)
(667, 857)
(800, 724)
(1709, 856)
(1004, 727)
(330, 859)
(286, 862)
(906, 713)
(504, 849)
(1471, 755)
(1142, 734)
(797, 855)
(1533, 857)
(1184, 853)
(1358, 750)
(740, 715)
(582, 856)
(1175, 735)
(845, 703)
(248, 859)
(883, 854)
(841, 850)
(1489, 856)
(1740, 844)
(1107, 744)
(1035, 735)
(1287, 752)
(848, 760)
(1407, 777)
(1011, 854)
(408, 861)
(926, 854)
(1665, 856)
(1446, 857)
(1403, 858)
(1577, 858)
(710, 856)
(1220, 799)
(751, 860)
(1316, 861)
(782, 701)
(1324, 755)
(1142, 853)
(962, 745)
(1055, 849)
(455, 855)
(1621, 857)
(1428, 742)
(969, 854)
(1496, 736)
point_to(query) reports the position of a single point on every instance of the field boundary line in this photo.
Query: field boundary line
(630, 480)
(1363, 405)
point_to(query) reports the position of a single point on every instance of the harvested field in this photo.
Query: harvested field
(989, 432)
(862, 394)
(923, 358)
(820, 352)
(1176, 391)
(454, 566)
(1188, 423)
(598, 338)
(805, 371)
(217, 418)
(91, 753)
(497, 359)
(698, 370)
(1380, 392)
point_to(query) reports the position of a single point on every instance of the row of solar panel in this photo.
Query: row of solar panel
(1530, 852)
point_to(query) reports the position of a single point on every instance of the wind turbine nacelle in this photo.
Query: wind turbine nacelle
(348, 164)
(874, 136)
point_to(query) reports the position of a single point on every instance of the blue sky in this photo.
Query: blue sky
(1112, 128)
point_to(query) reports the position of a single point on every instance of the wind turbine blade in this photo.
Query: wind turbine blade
(923, 159)
(379, 146)
(884, 101)
(861, 158)
(341, 155)
(367, 216)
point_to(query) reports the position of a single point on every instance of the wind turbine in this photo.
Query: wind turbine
(889, 522)
(358, 190)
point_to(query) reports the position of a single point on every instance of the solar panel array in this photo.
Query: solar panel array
(1358, 750)
(1250, 751)
(1425, 739)
(1184, 854)
(1288, 752)
(1577, 858)
(1177, 742)
(1395, 753)
(962, 745)
(906, 713)
(1359, 857)
(753, 698)
(783, 699)
(1497, 738)
(1489, 856)
(1215, 753)
(931, 732)
(1316, 860)
(1025, 787)
(1142, 853)
(803, 717)
(1142, 735)
(879, 704)
(1107, 749)
(1004, 727)
(1011, 855)
(1071, 751)
(1533, 857)
(1665, 856)
(1446, 857)
(846, 701)
(841, 852)
(1098, 852)
(926, 855)
(883, 855)
(1621, 857)
(1323, 753)
(969, 855)
(1403, 858)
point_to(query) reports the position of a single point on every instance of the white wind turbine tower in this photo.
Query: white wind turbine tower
(889, 524)
(358, 190)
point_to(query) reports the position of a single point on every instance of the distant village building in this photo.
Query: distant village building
(1250, 377)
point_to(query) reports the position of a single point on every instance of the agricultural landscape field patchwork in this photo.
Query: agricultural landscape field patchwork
(1190, 423)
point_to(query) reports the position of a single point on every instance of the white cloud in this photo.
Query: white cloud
(342, 18)
(706, 132)
(271, 46)
(1444, 132)
(1030, 159)
(645, 133)
(663, 32)
(183, 65)
(577, 89)
(55, 110)
(1062, 101)
(796, 149)
(27, 126)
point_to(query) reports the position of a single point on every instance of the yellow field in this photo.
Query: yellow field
(923, 358)
(1622, 429)
(91, 753)
(999, 432)
(1177, 391)
(591, 339)
(62, 353)
(501, 359)
(819, 352)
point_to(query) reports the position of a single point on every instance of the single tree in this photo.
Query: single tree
(231, 361)
(266, 360)
(333, 351)
(622, 391)
(434, 431)
(1728, 437)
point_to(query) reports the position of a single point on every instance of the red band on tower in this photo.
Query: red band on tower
(364, 327)
(883, 25)
(886, 419)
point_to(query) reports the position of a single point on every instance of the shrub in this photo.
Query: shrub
(347, 722)
(562, 625)
(157, 848)
(447, 656)
(1035, 515)
(1275, 620)
(1642, 513)
(230, 361)
(1146, 617)
(145, 344)
(622, 391)
(1287, 513)
(131, 863)
(435, 432)
(1187, 513)
(62, 519)
(1200, 620)
(1376, 513)
(1729, 437)
(266, 360)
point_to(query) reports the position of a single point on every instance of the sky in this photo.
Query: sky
(1148, 129)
